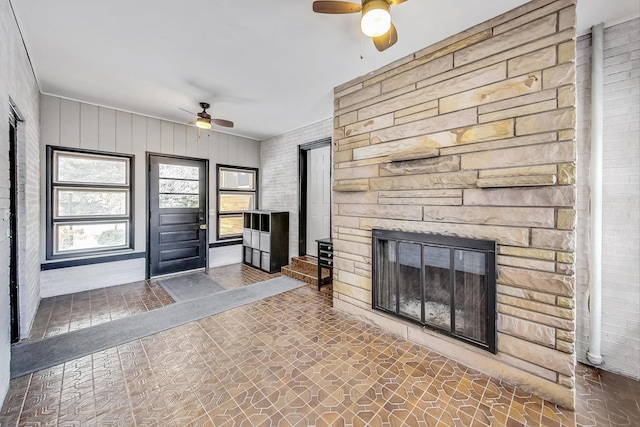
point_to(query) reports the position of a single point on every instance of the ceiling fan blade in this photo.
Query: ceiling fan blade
(396, 2)
(387, 40)
(221, 122)
(335, 7)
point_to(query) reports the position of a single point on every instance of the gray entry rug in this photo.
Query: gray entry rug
(190, 286)
(31, 357)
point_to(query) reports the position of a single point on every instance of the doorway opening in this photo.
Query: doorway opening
(13, 226)
(178, 238)
(314, 176)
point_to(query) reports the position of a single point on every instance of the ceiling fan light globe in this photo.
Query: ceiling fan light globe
(203, 123)
(376, 18)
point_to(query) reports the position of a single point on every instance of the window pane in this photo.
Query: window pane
(179, 201)
(236, 202)
(179, 172)
(237, 179)
(88, 168)
(230, 226)
(179, 186)
(72, 202)
(88, 236)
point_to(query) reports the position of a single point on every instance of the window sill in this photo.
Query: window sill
(223, 243)
(90, 260)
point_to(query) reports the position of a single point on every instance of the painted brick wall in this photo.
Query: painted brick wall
(621, 199)
(18, 83)
(279, 172)
(473, 137)
(76, 124)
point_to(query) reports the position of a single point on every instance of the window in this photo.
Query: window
(237, 192)
(89, 202)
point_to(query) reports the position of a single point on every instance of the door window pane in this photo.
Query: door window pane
(90, 168)
(236, 202)
(179, 186)
(179, 172)
(88, 236)
(179, 201)
(230, 225)
(80, 202)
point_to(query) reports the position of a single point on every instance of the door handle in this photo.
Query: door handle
(203, 226)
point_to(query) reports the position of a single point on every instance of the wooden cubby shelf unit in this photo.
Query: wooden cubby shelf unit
(265, 239)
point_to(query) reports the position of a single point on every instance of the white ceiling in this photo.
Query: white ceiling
(268, 65)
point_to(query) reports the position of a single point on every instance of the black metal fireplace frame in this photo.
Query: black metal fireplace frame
(488, 247)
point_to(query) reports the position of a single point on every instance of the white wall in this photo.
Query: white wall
(75, 124)
(18, 83)
(279, 172)
(621, 199)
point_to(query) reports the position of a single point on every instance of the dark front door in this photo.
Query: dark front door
(177, 239)
(13, 229)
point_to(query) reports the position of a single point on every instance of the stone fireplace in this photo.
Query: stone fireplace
(470, 138)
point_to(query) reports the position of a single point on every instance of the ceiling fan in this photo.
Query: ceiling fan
(204, 119)
(376, 18)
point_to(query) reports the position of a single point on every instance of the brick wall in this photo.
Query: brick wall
(621, 198)
(474, 137)
(279, 173)
(19, 84)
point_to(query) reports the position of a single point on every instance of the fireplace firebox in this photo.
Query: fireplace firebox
(444, 283)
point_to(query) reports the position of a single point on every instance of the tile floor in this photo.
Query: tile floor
(290, 360)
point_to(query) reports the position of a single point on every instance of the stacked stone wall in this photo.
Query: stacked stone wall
(474, 136)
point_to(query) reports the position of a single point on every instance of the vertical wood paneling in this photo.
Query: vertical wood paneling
(223, 149)
(179, 139)
(166, 137)
(138, 142)
(89, 127)
(69, 123)
(50, 120)
(232, 154)
(107, 129)
(214, 143)
(192, 141)
(153, 135)
(123, 132)
(117, 131)
(203, 145)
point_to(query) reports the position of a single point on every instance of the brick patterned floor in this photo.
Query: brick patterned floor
(290, 360)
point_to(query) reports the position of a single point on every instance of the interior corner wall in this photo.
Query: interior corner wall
(75, 124)
(621, 199)
(279, 173)
(18, 84)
